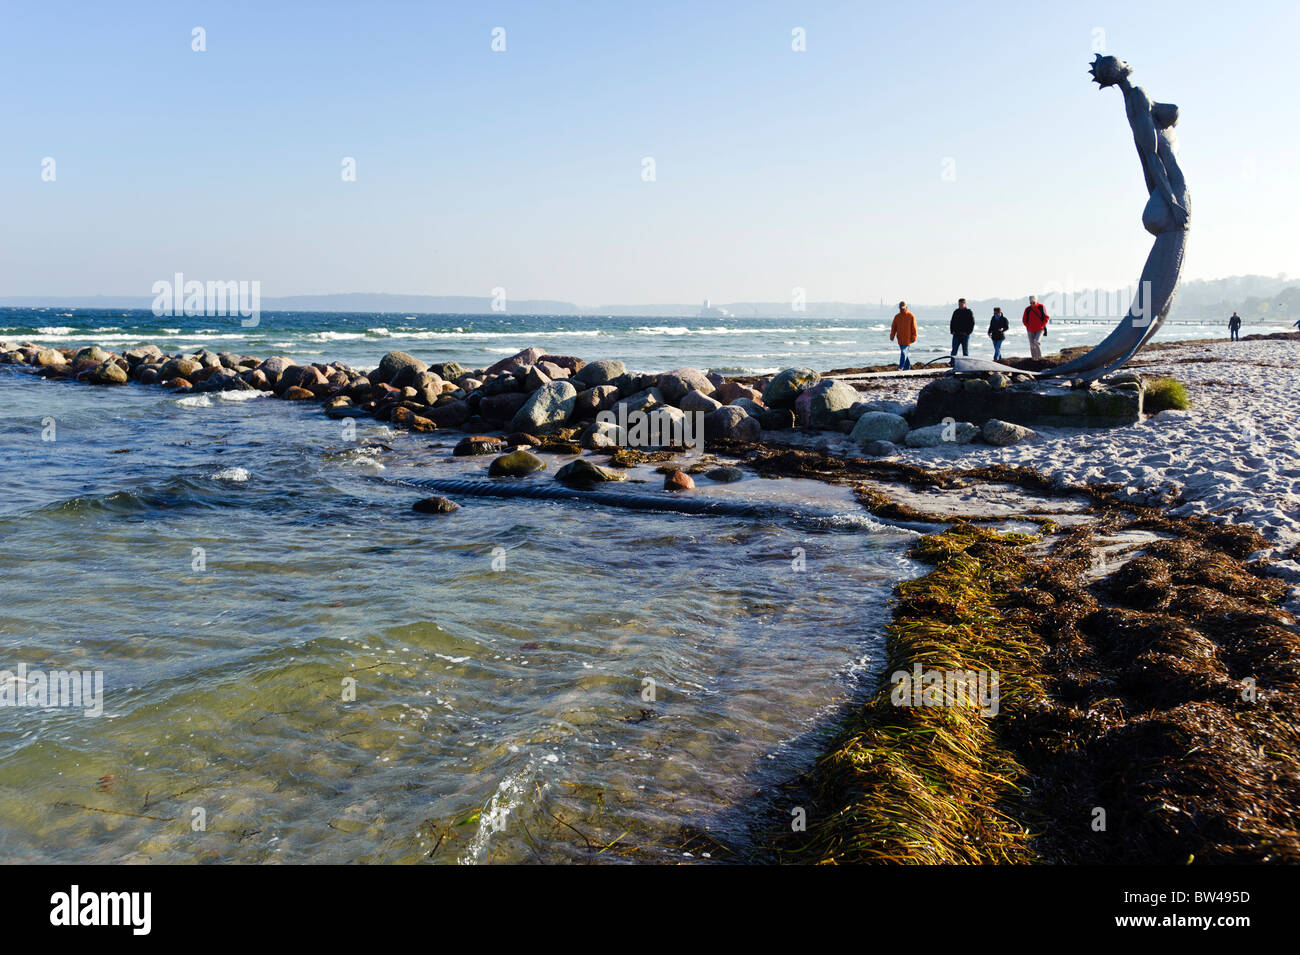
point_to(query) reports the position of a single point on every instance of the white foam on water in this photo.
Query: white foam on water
(241, 395)
(507, 798)
(195, 401)
(232, 474)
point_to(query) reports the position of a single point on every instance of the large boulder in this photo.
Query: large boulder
(49, 358)
(859, 408)
(272, 367)
(787, 385)
(181, 368)
(91, 353)
(593, 400)
(452, 414)
(107, 372)
(953, 432)
(501, 384)
(776, 419)
(223, 380)
(732, 424)
(603, 436)
(729, 391)
(570, 363)
(548, 407)
(501, 407)
(531, 377)
(879, 426)
(830, 402)
(143, 353)
(1003, 433)
(529, 356)
(698, 401)
(598, 373)
(641, 401)
(676, 383)
(428, 387)
(448, 370)
(394, 363)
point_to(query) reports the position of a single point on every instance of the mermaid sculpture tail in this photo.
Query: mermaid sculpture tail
(1150, 308)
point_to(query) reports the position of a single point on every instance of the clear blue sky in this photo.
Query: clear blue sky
(820, 169)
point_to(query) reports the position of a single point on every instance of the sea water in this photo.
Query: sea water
(297, 667)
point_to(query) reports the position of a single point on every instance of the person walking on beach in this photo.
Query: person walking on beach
(998, 326)
(961, 326)
(1234, 326)
(904, 330)
(1035, 320)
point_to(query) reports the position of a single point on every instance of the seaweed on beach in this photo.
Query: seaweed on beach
(926, 784)
(1149, 715)
(1170, 732)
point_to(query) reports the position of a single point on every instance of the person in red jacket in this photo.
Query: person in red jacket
(1035, 319)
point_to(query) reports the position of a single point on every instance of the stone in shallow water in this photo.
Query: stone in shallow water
(435, 505)
(477, 444)
(725, 475)
(678, 480)
(48, 357)
(108, 373)
(583, 471)
(516, 464)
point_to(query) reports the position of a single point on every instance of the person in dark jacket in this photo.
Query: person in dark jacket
(1234, 326)
(998, 326)
(961, 326)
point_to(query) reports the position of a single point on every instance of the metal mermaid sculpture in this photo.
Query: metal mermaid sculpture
(1166, 216)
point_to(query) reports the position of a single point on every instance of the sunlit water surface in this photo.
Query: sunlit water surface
(231, 566)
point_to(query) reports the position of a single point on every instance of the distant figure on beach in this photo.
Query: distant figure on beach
(1035, 320)
(1234, 326)
(904, 330)
(998, 326)
(961, 326)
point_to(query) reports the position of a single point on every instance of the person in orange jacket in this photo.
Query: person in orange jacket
(1035, 320)
(904, 330)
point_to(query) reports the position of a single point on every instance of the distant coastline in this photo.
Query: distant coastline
(1262, 299)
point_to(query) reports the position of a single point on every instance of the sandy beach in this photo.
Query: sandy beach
(1234, 456)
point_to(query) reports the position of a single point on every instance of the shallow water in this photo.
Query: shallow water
(499, 713)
